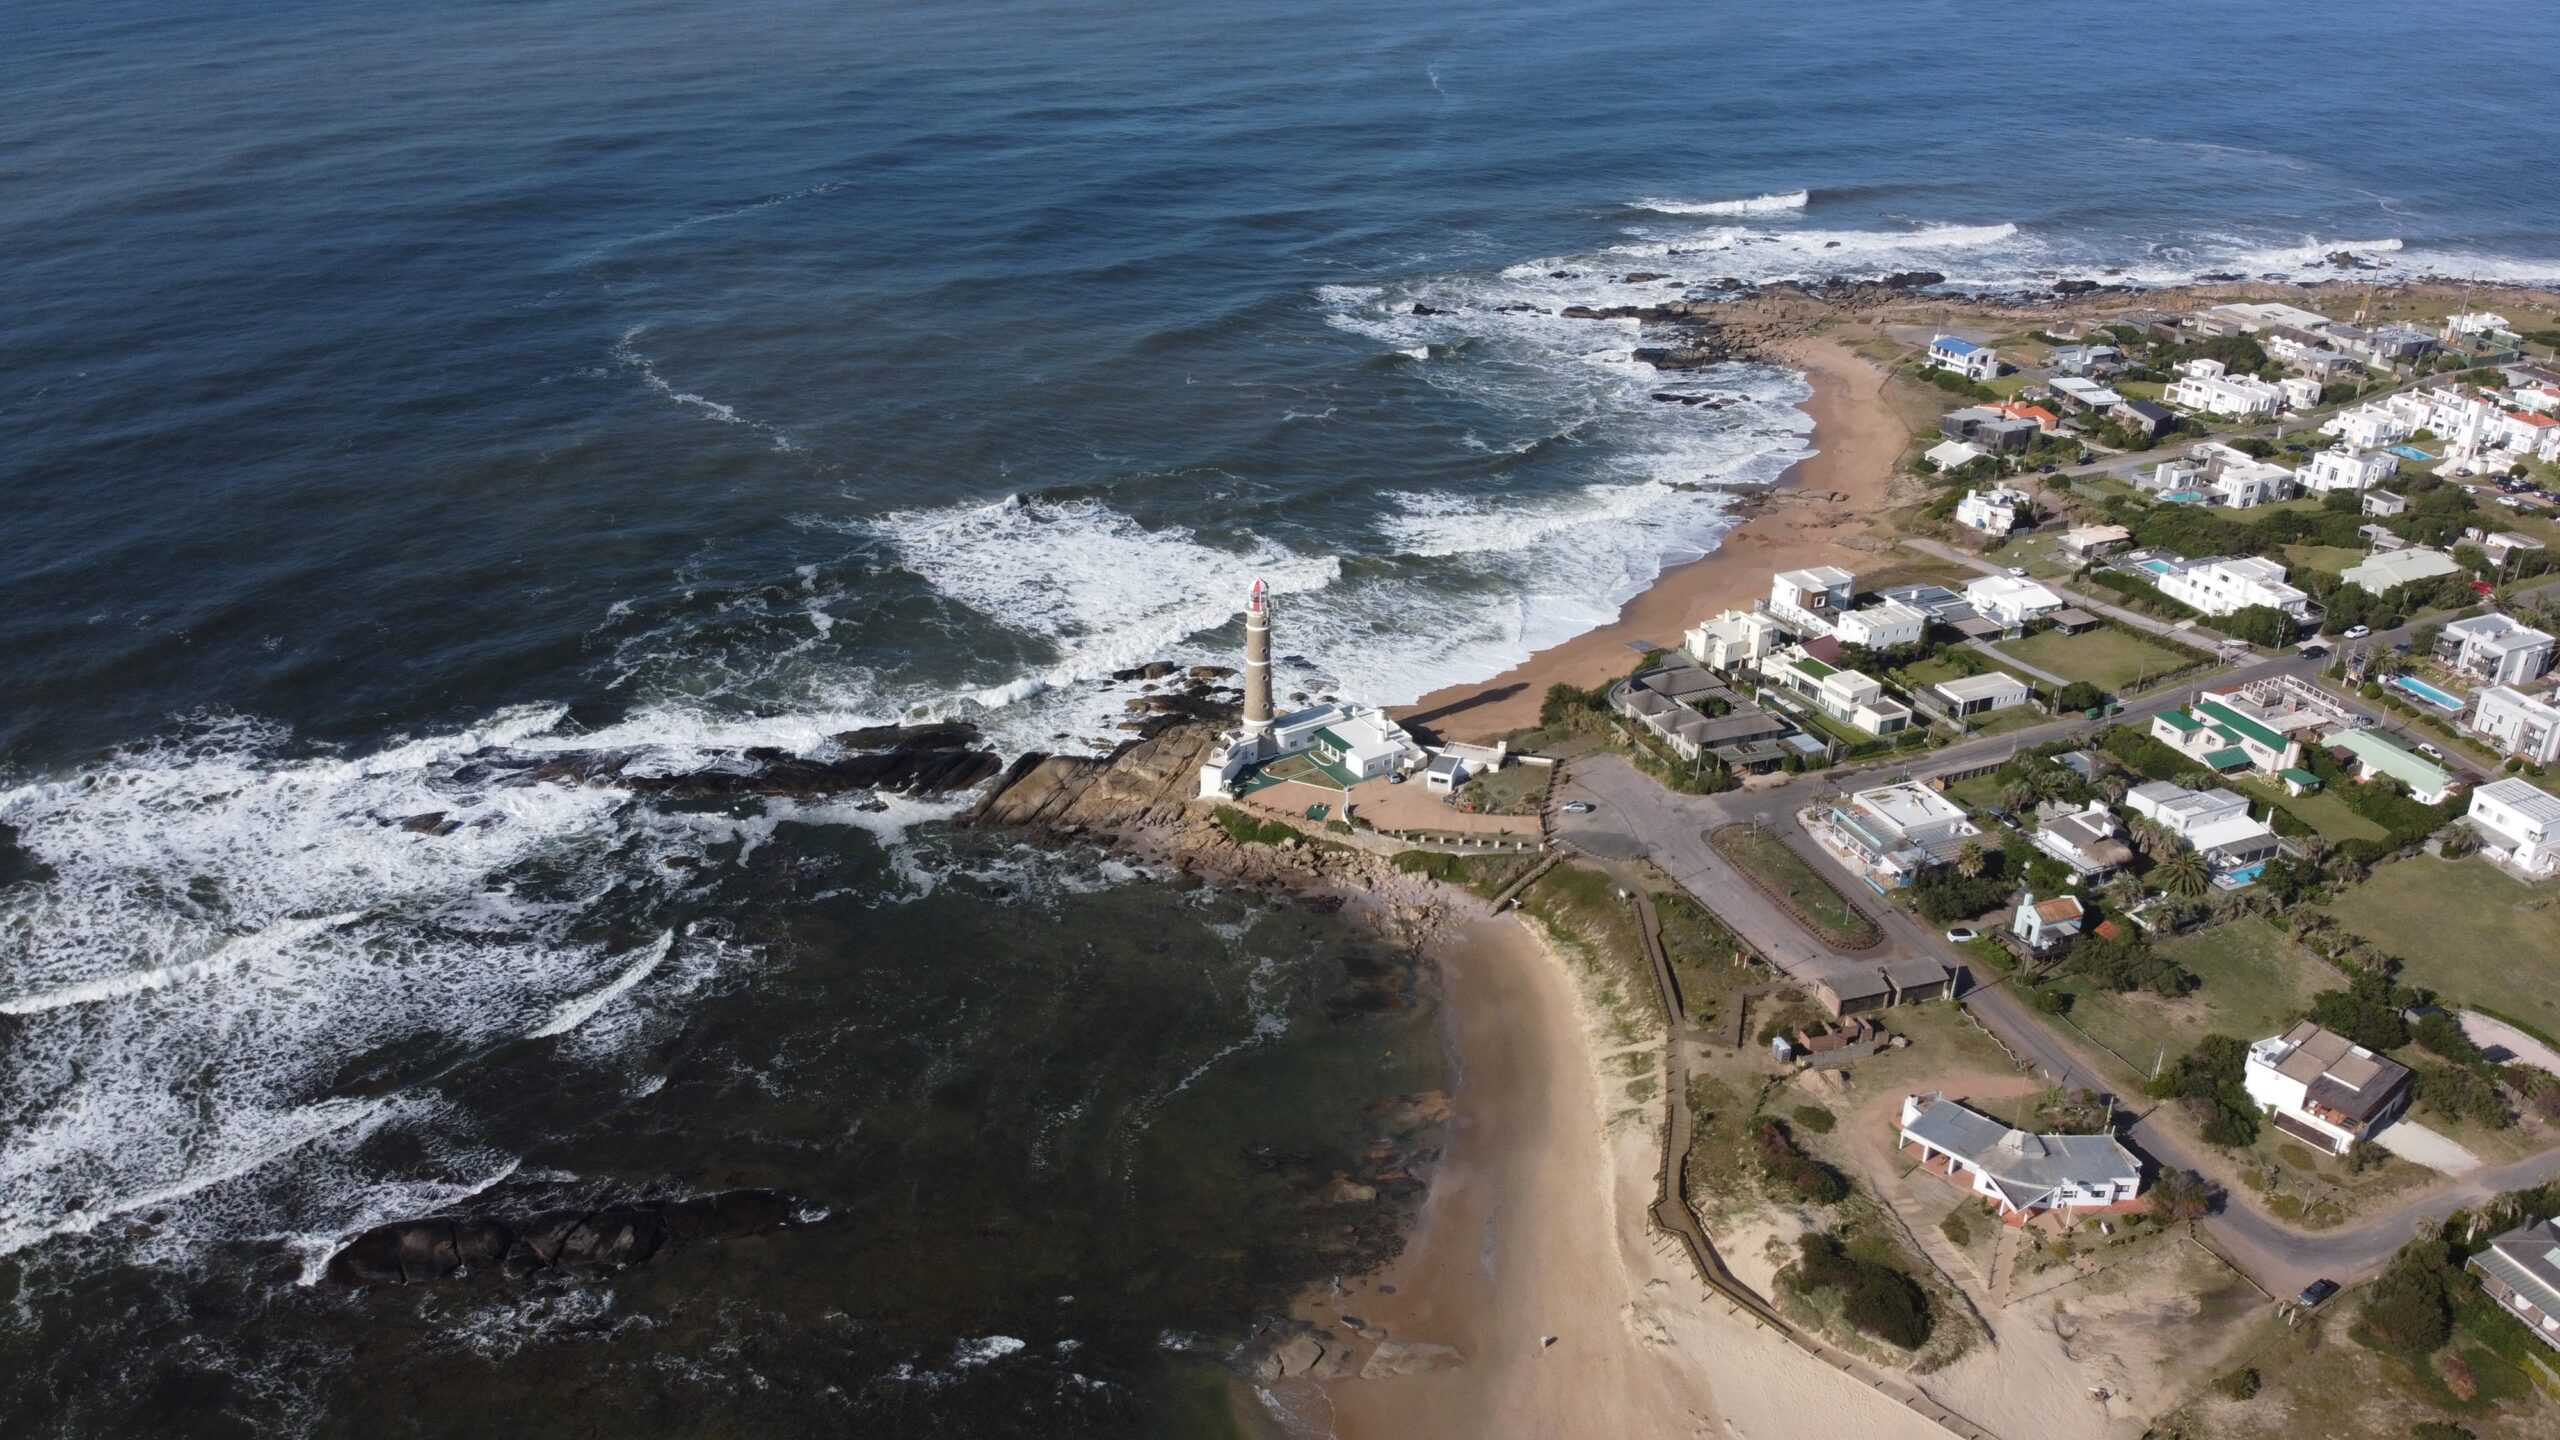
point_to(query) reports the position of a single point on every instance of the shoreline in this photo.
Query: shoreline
(1857, 440)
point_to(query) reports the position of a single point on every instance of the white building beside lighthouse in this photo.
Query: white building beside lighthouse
(1350, 743)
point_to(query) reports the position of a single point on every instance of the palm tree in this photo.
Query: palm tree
(2018, 795)
(2183, 874)
(2154, 838)
(2123, 893)
(2112, 788)
(1969, 860)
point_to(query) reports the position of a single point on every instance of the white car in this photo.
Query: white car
(2357, 632)
(1576, 807)
(1963, 935)
(2429, 751)
(2018, 570)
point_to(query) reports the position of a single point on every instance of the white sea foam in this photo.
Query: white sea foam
(626, 352)
(970, 1353)
(1748, 205)
(580, 1009)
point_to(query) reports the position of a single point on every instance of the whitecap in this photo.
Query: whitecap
(1747, 205)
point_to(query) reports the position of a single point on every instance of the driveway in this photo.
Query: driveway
(2504, 1042)
(2434, 1149)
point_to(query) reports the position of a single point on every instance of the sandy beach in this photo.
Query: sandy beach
(1857, 439)
(1535, 1226)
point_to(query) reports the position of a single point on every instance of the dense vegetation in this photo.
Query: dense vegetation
(1793, 1172)
(1877, 1299)
(2207, 1080)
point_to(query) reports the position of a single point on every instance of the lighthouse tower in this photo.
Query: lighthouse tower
(1257, 662)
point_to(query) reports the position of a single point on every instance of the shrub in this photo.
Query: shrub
(2238, 1385)
(1815, 1118)
(1957, 1229)
(2440, 1430)
(2409, 1312)
(2461, 1094)
(1246, 830)
(2208, 1079)
(1877, 1299)
(1792, 1170)
(1565, 701)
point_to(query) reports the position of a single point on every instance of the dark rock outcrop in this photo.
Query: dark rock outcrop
(2074, 287)
(1913, 279)
(578, 1242)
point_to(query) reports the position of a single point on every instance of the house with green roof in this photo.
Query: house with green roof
(2224, 732)
(1847, 696)
(2376, 755)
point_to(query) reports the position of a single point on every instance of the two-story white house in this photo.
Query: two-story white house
(2519, 724)
(2221, 585)
(1881, 626)
(2342, 467)
(2518, 824)
(1809, 602)
(1735, 640)
(1848, 696)
(1978, 363)
(2323, 1088)
(2209, 387)
(2496, 648)
(1993, 512)
(2369, 426)
(2010, 601)
(2214, 823)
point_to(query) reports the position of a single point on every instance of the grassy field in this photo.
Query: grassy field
(1779, 868)
(1933, 670)
(2466, 931)
(2335, 559)
(1515, 790)
(2256, 982)
(2106, 657)
(2320, 810)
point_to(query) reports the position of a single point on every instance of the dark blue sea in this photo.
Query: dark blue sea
(383, 383)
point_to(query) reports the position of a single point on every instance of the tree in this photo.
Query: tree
(2019, 794)
(2184, 873)
(2079, 695)
(2154, 839)
(2179, 1196)
(2409, 1312)
(1969, 860)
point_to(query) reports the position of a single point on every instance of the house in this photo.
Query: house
(2499, 545)
(2383, 346)
(2222, 585)
(2045, 420)
(2383, 572)
(2376, 756)
(2213, 823)
(2010, 601)
(2087, 360)
(2084, 395)
(1364, 743)
(2495, 648)
(1897, 831)
(1444, 774)
(2088, 841)
(2023, 1175)
(2518, 824)
(2343, 467)
(1937, 602)
(2370, 426)
(1847, 696)
(2205, 385)
(1993, 511)
(2141, 417)
(2091, 541)
(2235, 477)
(2323, 1088)
(2072, 621)
(2385, 503)
(2526, 726)
(1847, 987)
(1953, 455)
(1807, 601)
(2043, 924)
(1734, 640)
(1355, 742)
(2301, 392)
(2479, 323)
(2521, 1271)
(1979, 694)
(2307, 351)
(2255, 317)
(2227, 732)
(1881, 626)
(1992, 427)
(1978, 363)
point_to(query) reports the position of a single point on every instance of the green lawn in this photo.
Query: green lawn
(2465, 930)
(2106, 657)
(2320, 810)
(2256, 982)
(1933, 670)
(1779, 867)
(2334, 559)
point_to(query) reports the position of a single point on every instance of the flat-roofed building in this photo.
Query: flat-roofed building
(2214, 823)
(1735, 640)
(2522, 725)
(1809, 601)
(1881, 626)
(1848, 696)
(2518, 824)
(2342, 467)
(2224, 584)
(2495, 648)
(1900, 830)
(1979, 694)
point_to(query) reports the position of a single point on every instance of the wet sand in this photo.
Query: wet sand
(1858, 439)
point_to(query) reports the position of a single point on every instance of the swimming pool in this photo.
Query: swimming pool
(2183, 497)
(2410, 452)
(2428, 693)
(2156, 567)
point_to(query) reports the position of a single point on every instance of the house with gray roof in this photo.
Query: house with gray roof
(2521, 1271)
(2022, 1174)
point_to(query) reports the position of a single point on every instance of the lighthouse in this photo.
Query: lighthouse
(1257, 661)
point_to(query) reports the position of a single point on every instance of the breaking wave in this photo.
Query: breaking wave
(1749, 205)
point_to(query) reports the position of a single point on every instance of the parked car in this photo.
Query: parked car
(2315, 1292)
(2313, 650)
(2018, 570)
(2430, 751)
(1963, 935)
(2358, 632)
(2003, 816)
(1576, 807)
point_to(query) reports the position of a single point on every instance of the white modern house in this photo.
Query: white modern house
(1978, 363)
(2254, 316)
(2010, 601)
(2213, 823)
(2382, 572)
(2207, 385)
(1980, 694)
(1993, 511)
(2078, 393)
(2237, 478)
(1881, 626)
(2226, 731)
(2495, 648)
(2089, 840)
(1897, 831)
(2518, 824)
(2343, 467)
(1848, 696)
(1809, 601)
(2222, 585)
(2023, 1175)
(2527, 726)
(1735, 640)
(2369, 426)
(2322, 1088)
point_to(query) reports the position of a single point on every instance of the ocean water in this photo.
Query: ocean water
(379, 384)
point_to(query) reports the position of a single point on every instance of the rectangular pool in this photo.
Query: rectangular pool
(2451, 704)
(2157, 567)
(2410, 452)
